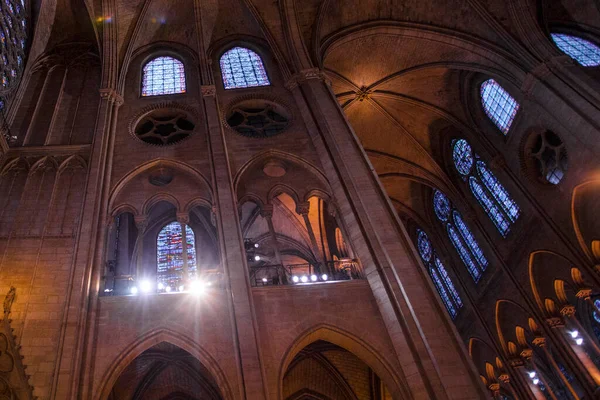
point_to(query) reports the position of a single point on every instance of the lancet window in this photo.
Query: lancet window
(243, 68)
(487, 189)
(439, 275)
(581, 50)
(163, 75)
(175, 255)
(498, 105)
(460, 236)
(13, 38)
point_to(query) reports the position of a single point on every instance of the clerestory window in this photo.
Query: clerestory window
(243, 68)
(163, 75)
(498, 105)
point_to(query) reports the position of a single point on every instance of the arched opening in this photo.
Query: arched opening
(323, 370)
(165, 372)
(243, 68)
(163, 75)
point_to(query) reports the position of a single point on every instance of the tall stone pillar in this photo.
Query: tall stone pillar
(434, 364)
(233, 259)
(141, 223)
(303, 209)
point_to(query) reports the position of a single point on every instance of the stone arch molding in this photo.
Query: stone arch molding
(395, 383)
(151, 339)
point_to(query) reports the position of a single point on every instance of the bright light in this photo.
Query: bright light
(196, 287)
(295, 279)
(256, 258)
(181, 288)
(134, 290)
(532, 374)
(264, 280)
(145, 286)
(161, 286)
(168, 289)
(536, 381)
(256, 245)
(574, 334)
(313, 278)
(324, 277)
(304, 279)
(579, 341)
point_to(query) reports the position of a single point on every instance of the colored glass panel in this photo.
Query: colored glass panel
(443, 292)
(424, 245)
(497, 190)
(498, 104)
(441, 205)
(170, 254)
(583, 51)
(490, 207)
(464, 253)
(163, 75)
(242, 68)
(13, 31)
(444, 275)
(468, 237)
(597, 305)
(463, 156)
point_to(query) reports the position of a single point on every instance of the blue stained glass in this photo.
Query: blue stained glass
(490, 207)
(443, 293)
(441, 205)
(463, 156)
(444, 275)
(470, 240)
(242, 68)
(169, 254)
(424, 246)
(464, 254)
(595, 313)
(499, 106)
(497, 190)
(583, 51)
(163, 75)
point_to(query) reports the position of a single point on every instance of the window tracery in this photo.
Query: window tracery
(583, 51)
(163, 75)
(498, 105)
(243, 68)
(13, 36)
(439, 275)
(487, 189)
(173, 257)
(460, 236)
(549, 157)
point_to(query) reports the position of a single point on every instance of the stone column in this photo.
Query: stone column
(541, 343)
(251, 379)
(141, 223)
(433, 360)
(267, 214)
(303, 209)
(568, 313)
(518, 363)
(184, 220)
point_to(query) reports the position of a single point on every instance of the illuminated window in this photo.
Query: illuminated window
(242, 68)
(460, 236)
(583, 51)
(489, 192)
(438, 273)
(13, 35)
(499, 106)
(597, 305)
(163, 75)
(171, 255)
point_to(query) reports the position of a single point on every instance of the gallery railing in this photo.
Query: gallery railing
(301, 274)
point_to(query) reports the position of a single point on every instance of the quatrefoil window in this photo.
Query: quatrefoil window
(258, 119)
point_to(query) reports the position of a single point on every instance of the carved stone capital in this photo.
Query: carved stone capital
(568, 311)
(539, 341)
(112, 96)
(526, 354)
(303, 208)
(494, 388)
(504, 378)
(584, 294)
(516, 362)
(141, 223)
(306, 75)
(555, 322)
(183, 218)
(209, 91)
(267, 211)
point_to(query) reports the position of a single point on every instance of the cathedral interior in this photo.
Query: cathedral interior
(300, 199)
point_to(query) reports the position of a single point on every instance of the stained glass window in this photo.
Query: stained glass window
(171, 253)
(444, 275)
(487, 189)
(460, 236)
(163, 75)
(424, 246)
(499, 106)
(583, 51)
(13, 31)
(443, 292)
(242, 68)
(597, 305)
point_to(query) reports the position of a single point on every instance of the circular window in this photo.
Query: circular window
(441, 205)
(548, 157)
(258, 118)
(164, 127)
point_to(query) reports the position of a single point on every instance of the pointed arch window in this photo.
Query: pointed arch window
(439, 275)
(13, 36)
(175, 256)
(163, 75)
(460, 236)
(487, 189)
(498, 105)
(583, 51)
(243, 68)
